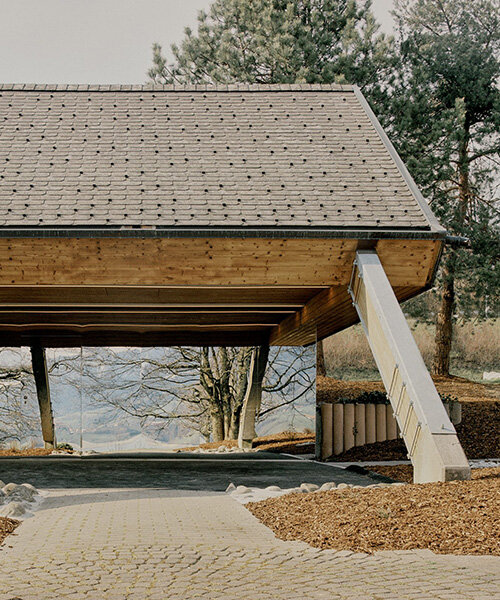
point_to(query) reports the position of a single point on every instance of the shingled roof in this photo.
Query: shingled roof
(175, 158)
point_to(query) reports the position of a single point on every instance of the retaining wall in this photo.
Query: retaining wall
(345, 425)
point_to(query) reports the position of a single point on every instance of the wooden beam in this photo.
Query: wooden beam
(41, 376)
(158, 296)
(196, 261)
(67, 338)
(429, 436)
(184, 319)
(191, 261)
(327, 313)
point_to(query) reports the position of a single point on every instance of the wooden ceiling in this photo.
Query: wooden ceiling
(190, 291)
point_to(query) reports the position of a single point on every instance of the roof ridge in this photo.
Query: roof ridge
(151, 87)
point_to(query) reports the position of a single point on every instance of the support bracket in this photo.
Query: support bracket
(429, 435)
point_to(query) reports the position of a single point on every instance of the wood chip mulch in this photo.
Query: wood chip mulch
(459, 517)
(7, 526)
(402, 473)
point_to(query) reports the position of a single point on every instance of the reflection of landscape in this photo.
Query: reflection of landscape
(105, 427)
(111, 430)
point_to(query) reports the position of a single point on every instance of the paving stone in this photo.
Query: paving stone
(92, 544)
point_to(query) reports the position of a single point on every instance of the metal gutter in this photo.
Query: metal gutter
(210, 232)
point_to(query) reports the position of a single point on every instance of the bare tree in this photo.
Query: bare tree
(202, 387)
(19, 418)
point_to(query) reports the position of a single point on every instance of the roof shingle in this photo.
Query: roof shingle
(232, 156)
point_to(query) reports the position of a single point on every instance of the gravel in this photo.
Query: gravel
(459, 517)
(18, 500)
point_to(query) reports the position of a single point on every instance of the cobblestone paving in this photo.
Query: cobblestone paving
(146, 544)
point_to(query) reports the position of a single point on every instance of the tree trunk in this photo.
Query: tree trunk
(320, 359)
(217, 427)
(444, 325)
(233, 428)
(253, 397)
(444, 322)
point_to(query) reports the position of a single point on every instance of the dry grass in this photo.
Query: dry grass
(475, 345)
(460, 517)
(24, 452)
(293, 442)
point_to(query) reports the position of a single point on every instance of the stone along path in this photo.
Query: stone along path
(147, 544)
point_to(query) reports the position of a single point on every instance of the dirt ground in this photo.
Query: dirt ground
(459, 517)
(403, 473)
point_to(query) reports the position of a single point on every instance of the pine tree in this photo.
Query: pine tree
(444, 118)
(280, 41)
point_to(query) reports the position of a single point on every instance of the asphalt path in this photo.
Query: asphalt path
(174, 471)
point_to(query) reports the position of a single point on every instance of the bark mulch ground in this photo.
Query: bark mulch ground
(403, 473)
(7, 526)
(332, 390)
(459, 517)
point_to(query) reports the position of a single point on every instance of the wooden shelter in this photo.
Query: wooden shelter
(232, 215)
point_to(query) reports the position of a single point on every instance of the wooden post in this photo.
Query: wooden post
(41, 376)
(371, 435)
(360, 425)
(327, 430)
(338, 428)
(348, 426)
(430, 438)
(381, 422)
(319, 434)
(391, 425)
(253, 396)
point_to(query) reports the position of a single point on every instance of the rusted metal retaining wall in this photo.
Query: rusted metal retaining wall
(343, 426)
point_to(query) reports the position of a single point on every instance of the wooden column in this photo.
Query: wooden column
(43, 393)
(429, 436)
(370, 425)
(327, 430)
(253, 396)
(338, 428)
(348, 426)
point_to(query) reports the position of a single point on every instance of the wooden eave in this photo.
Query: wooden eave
(145, 290)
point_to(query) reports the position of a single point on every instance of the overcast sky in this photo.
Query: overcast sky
(95, 41)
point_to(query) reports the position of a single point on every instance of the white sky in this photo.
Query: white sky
(96, 41)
